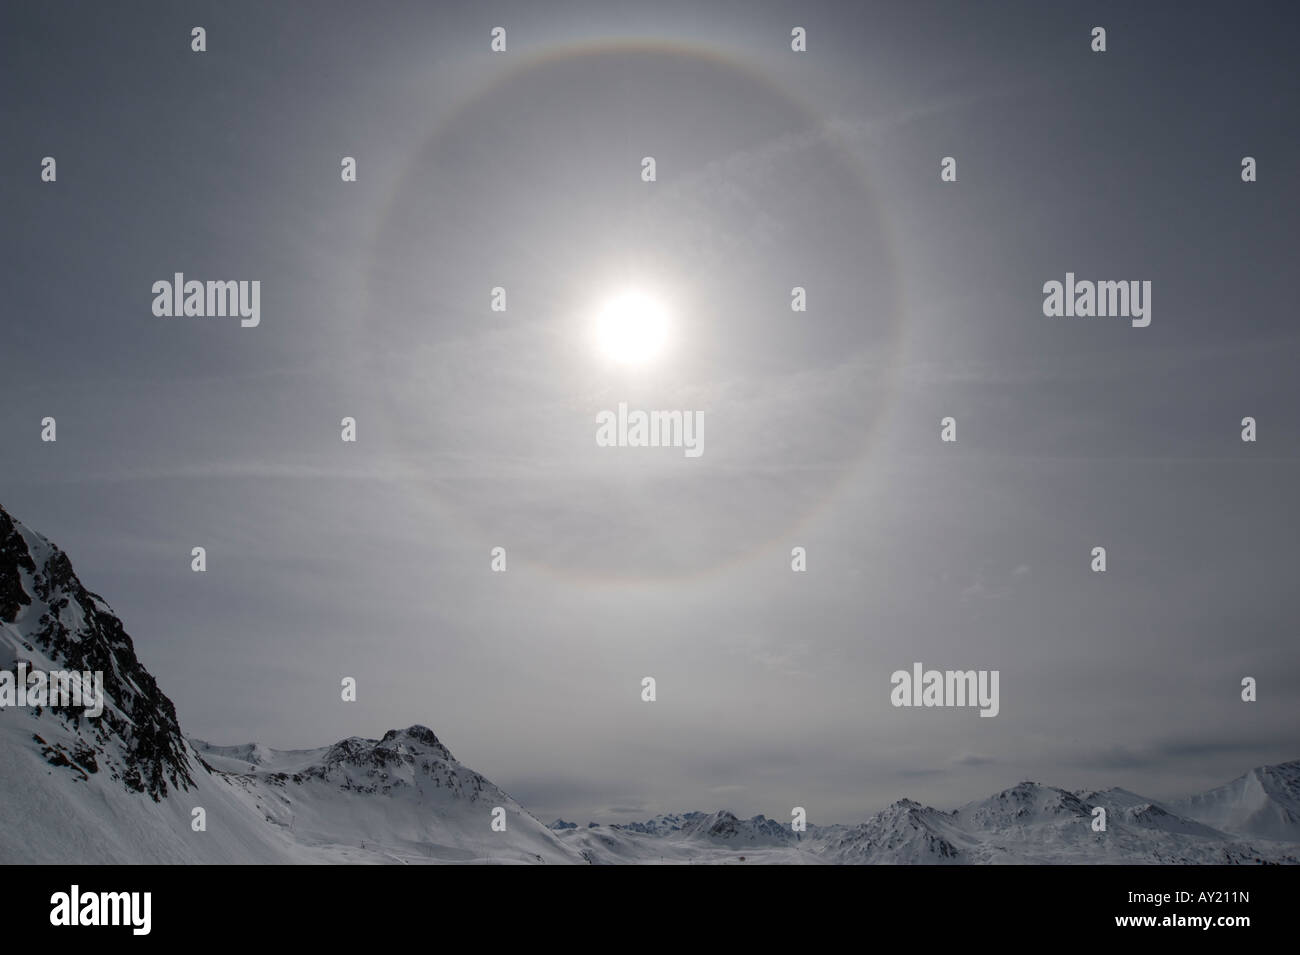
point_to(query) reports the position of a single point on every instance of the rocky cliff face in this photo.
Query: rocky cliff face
(49, 621)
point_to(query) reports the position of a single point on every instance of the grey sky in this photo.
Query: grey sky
(476, 428)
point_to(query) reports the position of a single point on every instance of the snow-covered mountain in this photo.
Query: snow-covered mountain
(125, 787)
(403, 796)
(904, 833)
(1141, 811)
(128, 786)
(662, 825)
(1026, 824)
(51, 622)
(721, 827)
(724, 828)
(1264, 803)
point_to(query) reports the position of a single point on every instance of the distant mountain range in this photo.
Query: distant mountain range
(130, 787)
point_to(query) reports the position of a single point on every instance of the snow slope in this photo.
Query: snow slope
(1026, 824)
(125, 787)
(1264, 803)
(404, 796)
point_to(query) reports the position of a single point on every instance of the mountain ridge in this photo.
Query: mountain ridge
(128, 786)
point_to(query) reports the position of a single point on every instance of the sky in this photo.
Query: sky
(476, 428)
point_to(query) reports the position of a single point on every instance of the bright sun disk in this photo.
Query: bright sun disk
(632, 328)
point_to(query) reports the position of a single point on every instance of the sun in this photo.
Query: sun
(632, 327)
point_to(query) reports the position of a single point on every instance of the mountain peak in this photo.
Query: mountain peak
(1264, 802)
(417, 734)
(1025, 803)
(404, 797)
(725, 826)
(49, 621)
